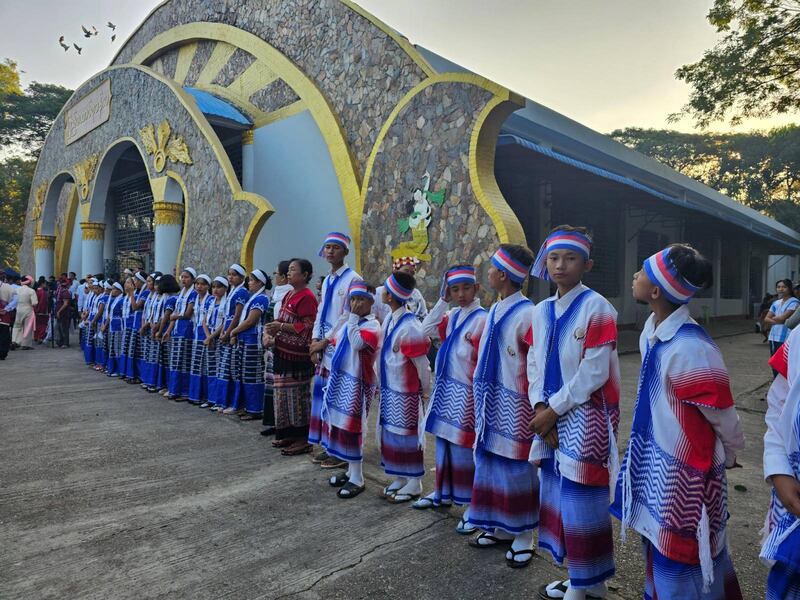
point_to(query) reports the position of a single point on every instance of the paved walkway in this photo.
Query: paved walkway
(109, 492)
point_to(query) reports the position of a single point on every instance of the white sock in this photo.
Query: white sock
(413, 486)
(466, 515)
(355, 473)
(575, 594)
(397, 484)
(502, 534)
(522, 541)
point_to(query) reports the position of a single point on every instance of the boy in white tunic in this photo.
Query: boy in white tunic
(451, 414)
(573, 378)
(351, 388)
(405, 380)
(331, 314)
(505, 492)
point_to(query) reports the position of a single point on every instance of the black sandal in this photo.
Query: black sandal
(485, 535)
(560, 589)
(350, 490)
(519, 564)
(338, 480)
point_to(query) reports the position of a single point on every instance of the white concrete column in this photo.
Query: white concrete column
(43, 249)
(167, 228)
(92, 241)
(248, 160)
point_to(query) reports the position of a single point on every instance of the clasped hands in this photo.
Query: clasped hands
(543, 424)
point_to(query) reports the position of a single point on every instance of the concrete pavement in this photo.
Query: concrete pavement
(109, 492)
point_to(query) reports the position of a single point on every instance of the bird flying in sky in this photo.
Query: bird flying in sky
(111, 26)
(113, 37)
(86, 32)
(78, 48)
(63, 45)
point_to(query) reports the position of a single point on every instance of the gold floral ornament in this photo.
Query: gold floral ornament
(162, 145)
(84, 172)
(38, 202)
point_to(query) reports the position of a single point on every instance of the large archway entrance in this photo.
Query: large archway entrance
(130, 235)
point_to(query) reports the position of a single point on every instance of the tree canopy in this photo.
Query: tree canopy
(754, 70)
(759, 169)
(25, 117)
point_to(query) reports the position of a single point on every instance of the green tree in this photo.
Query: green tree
(16, 175)
(758, 169)
(25, 118)
(9, 78)
(754, 70)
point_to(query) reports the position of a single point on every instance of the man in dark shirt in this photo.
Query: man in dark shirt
(63, 313)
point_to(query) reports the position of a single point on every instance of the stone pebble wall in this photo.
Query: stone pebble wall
(276, 95)
(361, 71)
(139, 100)
(236, 65)
(439, 120)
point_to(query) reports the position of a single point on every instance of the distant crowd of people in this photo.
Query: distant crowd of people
(32, 312)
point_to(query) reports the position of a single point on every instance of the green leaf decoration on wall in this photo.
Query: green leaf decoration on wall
(402, 225)
(436, 198)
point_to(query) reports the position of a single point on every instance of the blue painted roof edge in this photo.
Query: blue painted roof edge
(211, 105)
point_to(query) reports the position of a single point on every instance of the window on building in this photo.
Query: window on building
(731, 270)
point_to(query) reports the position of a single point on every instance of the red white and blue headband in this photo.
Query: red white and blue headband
(335, 237)
(358, 287)
(401, 294)
(560, 240)
(461, 274)
(515, 270)
(662, 273)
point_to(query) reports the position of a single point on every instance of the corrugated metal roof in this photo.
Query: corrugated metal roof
(211, 105)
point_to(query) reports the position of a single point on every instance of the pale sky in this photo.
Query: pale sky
(605, 63)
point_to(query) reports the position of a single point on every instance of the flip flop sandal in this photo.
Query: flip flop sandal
(350, 490)
(282, 443)
(333, 463)
(558, 589)
(464, 528)
(249, 417)
(423, 504)
(338, 480)
(388, 492)
(402, 498)
(519, 564)
(297, 451)
(493, 541)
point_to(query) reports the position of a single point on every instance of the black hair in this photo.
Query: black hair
(523, 255)
(268, 283)
(283, 267)
(190, 274)
(73, 274)
(404, 279)
(305, 267)
(577, 229)
(42, 279)
(168, 284)
(788, 283)
(691, 265)
(82, 281)
(100, 277)
(370, 288)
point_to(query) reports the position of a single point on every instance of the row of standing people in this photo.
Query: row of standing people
(524, 404)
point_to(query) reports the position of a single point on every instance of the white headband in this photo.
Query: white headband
(118, 285)
(239, 269)
(205, 278)
(191, 272)
(260, 275)
(222, 281)
(141, 277)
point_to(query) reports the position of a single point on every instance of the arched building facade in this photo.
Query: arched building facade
(232, 130)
